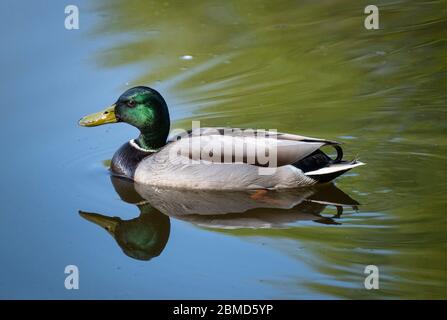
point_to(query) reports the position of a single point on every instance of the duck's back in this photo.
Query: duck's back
(216, 160)
(160, 170)
(169, 168)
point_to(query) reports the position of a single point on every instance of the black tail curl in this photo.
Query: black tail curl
(318, 159)
(339, 157)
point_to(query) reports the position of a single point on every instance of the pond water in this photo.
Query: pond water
(305, 67)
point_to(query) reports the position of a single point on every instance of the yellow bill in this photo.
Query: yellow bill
(99, 118)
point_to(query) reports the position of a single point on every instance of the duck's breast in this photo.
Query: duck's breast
(126, 159)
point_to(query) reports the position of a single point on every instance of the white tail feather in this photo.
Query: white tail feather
(335, 168)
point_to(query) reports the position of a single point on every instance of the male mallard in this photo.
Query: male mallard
(215, 158)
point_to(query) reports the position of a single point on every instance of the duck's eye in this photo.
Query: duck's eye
(131, 103)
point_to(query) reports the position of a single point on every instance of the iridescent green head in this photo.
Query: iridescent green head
(141, 107)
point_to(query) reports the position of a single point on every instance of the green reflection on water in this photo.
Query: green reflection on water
(311, 68)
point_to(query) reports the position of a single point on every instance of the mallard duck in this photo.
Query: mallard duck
(212, 158)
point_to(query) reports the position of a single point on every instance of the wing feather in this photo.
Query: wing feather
(266, 151)
(238, 132)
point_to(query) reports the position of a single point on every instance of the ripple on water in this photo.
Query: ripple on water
(86, 174)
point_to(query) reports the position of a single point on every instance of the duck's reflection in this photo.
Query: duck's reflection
(146, 236)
